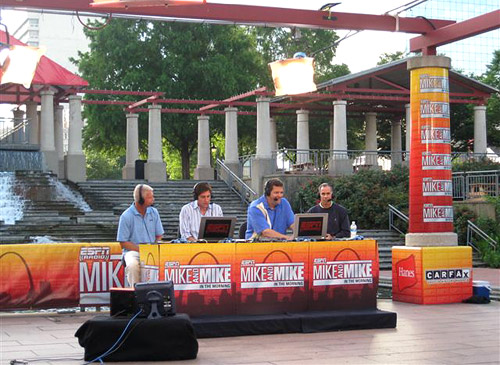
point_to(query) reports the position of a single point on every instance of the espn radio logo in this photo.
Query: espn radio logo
(434, 109)
(431, 187)
(434, 84)
(429, 134)
(447, 276)
(437, 213)
(436, 161)
(196, 277)
(271, 275)
(94, 253)
(342, 272)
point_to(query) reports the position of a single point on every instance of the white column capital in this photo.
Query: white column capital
(74, 97)
(263, 99)
(302, 112)
(480, 107)
(47, 92)
(231, 109)
(371, 114)
(203, 117)
(154, 106)
(132, 116)
(339, 102)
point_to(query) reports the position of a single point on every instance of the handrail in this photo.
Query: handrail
(394, 212)
(13, 130)
(245, 192)
(472, 228)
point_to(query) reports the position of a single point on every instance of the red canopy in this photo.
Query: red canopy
(47, 73)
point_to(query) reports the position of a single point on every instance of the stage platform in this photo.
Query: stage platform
(306, 322)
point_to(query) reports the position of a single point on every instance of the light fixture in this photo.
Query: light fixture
(139, 3)
(18, 63)
(294, 75)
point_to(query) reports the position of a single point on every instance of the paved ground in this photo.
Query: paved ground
(439, 334)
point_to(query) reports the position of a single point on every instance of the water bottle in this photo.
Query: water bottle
(354, 230)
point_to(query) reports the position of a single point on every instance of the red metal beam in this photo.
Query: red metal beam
(236, 97)
(484, 23)
(251, 15)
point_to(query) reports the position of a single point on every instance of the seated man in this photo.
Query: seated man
(139, 223)
(191, 213)
(270, 215)
(338, 220)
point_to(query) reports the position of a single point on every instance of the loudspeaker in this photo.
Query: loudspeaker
(123, 302)
(141, 198)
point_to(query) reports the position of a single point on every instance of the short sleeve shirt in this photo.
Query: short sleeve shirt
(281, 217)
(135, 228)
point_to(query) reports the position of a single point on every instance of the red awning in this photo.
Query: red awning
(48, 73)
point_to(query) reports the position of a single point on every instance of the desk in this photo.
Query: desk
(166, 338)
(266, 277)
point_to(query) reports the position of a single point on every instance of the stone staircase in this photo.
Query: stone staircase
(170, 196)
(385, 239)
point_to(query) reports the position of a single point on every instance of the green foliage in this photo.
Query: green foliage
(479, 164)
(489, 255)
(390, 57)
(461, 215)
(103, 166)
(365, 195)
(496, 202)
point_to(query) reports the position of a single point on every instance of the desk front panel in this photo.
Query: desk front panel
(271, 277)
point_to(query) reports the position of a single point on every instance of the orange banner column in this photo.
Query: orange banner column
(431, 202)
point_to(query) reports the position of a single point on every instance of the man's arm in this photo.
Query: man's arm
(345, 227)
(184, 220)
(271, 233)
(129, 246)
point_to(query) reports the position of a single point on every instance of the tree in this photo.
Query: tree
(492, 78)
(186, 61)
(390, 57)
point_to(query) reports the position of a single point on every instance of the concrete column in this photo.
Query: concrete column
(18, 136)
(204, 170)
(47, 145)
(263, 164)
(371, 139)
(231, 156)
(75, 167)
(33, 123)
(396, 148)
(331, 135)
(155, 170)
(272, 132)
(408, 133)
(302, 136)
(132, 148)
(58, 139)
(340, 164)
(480, 144)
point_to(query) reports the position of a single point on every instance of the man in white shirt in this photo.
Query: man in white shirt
(191, 213)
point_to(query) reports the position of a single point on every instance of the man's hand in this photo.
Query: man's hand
(329, 237)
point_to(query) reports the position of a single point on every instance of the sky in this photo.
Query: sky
(359, 52)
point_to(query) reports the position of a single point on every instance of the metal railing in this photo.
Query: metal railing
(393, 214)
(17, 134)
(246, 166)
(472, 229)
(245, 192)
(475, 184)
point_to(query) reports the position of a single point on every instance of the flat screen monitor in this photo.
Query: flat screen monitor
(311, 225)
(155, 299)
(216, 228)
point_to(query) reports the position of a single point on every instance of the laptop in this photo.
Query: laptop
(310, 225)
(214, 229)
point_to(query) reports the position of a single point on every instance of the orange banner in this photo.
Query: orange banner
(56, 275)
(431, 202)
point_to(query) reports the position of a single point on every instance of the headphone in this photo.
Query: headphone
(141, 198)
(268, 187)
(201, 187)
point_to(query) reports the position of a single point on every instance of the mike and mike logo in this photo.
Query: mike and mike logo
(433, 84)
(196, 277)
(342, 272)
(271, 275)
(429, 134)
(432, 187)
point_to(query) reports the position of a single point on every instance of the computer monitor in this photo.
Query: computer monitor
(216, 228)
(155, 299)
(311, 225)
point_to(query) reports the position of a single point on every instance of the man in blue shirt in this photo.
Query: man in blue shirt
(140, 223)
(270, 215)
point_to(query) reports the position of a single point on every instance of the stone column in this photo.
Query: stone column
(155, 170)
(58, 139)
(302, 136)
(75, 167)
(396, 148)
(371, 140)
(263, 163)
(47, 146)
(408, 133)
(33, 124)
(204, 170)
(339, 163)
(18, 136)
(272, 132)
(480, 144)
(231, 157)
(132, 148)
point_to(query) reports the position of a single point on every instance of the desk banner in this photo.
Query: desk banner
(57, 275)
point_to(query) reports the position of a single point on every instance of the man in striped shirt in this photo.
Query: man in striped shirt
(191, 213)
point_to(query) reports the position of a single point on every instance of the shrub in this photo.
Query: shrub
(481, 164)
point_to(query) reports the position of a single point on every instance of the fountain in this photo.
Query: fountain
(11, 205)
(62, 192)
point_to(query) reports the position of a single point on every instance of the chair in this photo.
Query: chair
(242, 230)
